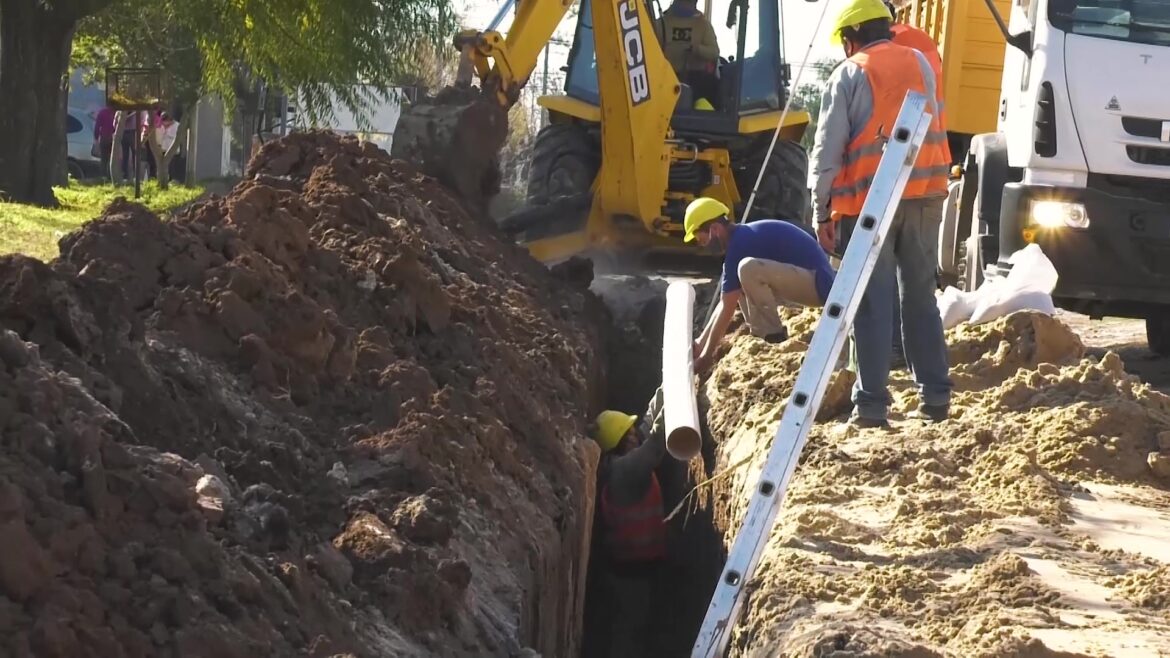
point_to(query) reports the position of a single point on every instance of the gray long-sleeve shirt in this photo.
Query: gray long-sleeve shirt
(629, 474)
(846, 105)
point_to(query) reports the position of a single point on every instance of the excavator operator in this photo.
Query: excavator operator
(692, 50)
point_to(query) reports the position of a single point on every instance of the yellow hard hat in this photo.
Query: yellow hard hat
(701, 211)
(704, 105)
(611, 427)
(857, 12)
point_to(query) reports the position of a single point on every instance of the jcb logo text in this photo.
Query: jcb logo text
(635, 52)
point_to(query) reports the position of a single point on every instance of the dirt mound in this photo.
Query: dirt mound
(298, 420)
(961, 538)
(984, 354)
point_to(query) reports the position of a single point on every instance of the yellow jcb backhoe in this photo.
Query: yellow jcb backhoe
(627, 145)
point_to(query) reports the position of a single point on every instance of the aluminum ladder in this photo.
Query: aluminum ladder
(829, 338)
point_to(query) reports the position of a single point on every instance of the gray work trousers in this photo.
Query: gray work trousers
(632, 601)
(903, 280)
(769, 284)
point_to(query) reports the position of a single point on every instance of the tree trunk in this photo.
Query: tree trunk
(35, 43)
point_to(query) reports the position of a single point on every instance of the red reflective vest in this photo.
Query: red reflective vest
(891, 71)
(912, 37)
(637, 532)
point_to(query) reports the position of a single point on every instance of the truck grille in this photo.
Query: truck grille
(1139, 127)
(1149, 156)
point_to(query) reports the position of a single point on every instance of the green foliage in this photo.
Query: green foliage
(809, 96)
(34, 231)
(325, 49)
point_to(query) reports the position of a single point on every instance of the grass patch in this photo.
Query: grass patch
(34, 231)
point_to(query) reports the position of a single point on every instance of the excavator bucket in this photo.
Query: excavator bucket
(455, 137)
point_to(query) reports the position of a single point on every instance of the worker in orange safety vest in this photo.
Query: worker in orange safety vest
(859, 107)
(633, 522)
(907, 35)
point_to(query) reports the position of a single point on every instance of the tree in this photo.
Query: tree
(35, 39)
(809, 95)
(324, 49)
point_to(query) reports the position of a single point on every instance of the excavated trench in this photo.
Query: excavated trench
(683, 588)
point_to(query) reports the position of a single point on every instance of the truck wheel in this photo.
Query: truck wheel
(1158, 333)
(74, 169)
(565, 161)
(783, 192)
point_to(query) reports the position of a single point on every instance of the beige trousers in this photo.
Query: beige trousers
(769, 284)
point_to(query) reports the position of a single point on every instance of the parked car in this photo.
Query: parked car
(81, 162)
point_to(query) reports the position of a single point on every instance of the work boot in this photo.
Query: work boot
(777, 336)
(861, 422)
(931, 413)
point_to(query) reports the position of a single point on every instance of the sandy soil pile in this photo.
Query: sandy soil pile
(1030, 524)
(300, 420)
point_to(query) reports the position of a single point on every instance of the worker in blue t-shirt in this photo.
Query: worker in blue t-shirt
(767, 263)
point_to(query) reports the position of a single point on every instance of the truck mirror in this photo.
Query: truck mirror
(1021, 41)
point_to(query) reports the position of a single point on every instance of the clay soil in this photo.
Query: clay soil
(329, 414)
(1033, 523)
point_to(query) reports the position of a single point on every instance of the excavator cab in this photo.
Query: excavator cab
(750, 76)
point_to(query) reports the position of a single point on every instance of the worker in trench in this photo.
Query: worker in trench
(767, 263)
(689, 42)
(632, 515)
(860, 105)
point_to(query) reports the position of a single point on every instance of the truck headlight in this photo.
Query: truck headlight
(1057, 214)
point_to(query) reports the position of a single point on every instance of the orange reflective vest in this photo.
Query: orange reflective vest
(912, 37)
(637, 532)
(891, 71)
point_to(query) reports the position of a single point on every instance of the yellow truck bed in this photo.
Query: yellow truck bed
(972, 53)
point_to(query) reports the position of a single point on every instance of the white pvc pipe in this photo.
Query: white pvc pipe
(680, 409)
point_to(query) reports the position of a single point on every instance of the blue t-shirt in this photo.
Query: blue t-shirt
(782, 242)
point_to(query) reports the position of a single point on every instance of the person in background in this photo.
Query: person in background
(633, 523)
(692, 50)
(907, 35)
(860, 104)
(103, 137)
(129, 159)
(767, 263)
(150, 122)
(162, 147)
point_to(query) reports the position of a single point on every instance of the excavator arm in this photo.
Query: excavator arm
(505, 63)
(457, 136)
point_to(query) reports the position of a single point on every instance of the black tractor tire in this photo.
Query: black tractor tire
(75, 170)
(783, 192)
(1158, 333)
(565, 162)
(971, 266)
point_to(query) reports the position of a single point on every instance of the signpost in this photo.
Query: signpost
(134, 90)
